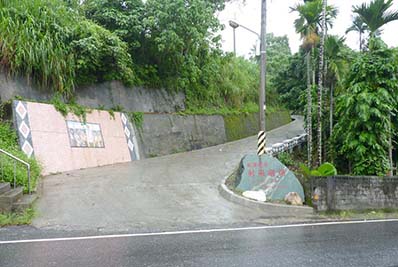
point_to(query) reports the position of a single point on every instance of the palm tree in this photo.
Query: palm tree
(375, 15)
(306, 25)
(320, 80)
(358, 26)
(336, 66)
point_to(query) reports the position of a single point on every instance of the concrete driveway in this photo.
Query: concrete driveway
(173, 192)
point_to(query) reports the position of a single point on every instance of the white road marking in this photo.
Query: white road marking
(193, 231)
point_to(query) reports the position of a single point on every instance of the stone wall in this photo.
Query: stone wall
(355, 193)
(107, 95)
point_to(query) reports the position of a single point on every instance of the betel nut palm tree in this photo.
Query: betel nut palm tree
(375, 15)
(320, 80)
(358, 26)
(336, 65)
(307, 25)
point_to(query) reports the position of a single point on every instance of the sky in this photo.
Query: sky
(280, 21)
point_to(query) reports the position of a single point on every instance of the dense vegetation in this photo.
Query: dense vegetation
(174, 44)
(350, 102)
(41, 40)
(349, 97)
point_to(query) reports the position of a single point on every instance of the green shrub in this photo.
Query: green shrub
(366, 110)
(137, 118)
(326, 169)
(286, 159)
(9, 143)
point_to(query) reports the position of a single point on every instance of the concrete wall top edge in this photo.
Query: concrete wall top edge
(108, 95)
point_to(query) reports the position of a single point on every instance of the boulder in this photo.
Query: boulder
(293, 198)
(266, 173)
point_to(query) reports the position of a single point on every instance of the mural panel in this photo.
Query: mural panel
(85, 134)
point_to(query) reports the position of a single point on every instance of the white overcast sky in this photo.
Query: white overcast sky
(280, 22)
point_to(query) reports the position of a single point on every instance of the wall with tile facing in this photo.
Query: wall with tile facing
(45, 134)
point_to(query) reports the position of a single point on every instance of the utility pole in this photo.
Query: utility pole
(263, 49)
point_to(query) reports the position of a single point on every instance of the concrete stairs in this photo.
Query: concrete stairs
(13, 199)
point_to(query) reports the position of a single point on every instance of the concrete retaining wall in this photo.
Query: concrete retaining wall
(106, 95)
(164, 134)
(245, 125)
(355, 193)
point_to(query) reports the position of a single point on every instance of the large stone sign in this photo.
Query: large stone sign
(268, 174)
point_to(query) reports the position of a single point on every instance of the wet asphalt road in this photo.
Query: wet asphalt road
(366, 244)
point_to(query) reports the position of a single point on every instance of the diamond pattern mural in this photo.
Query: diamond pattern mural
(124, 119)
(127, 132)
(27, 149)
(21, 121)
(130, 137)
(21, 109)
(24, 130)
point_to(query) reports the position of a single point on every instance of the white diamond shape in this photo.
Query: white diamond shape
(124, 119)
(131, 146)
(27, 148)
(127, 132)
(21, 110)
(24, 130)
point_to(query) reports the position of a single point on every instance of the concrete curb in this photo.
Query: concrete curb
(226, 193)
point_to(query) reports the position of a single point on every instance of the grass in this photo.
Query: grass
(8, 142)
(24, 218)
(361, 214)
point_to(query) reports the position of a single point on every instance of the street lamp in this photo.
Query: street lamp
(263, 46)
(235, 25)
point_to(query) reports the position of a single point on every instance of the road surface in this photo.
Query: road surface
(350, 244)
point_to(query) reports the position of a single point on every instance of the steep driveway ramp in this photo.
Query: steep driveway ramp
(167, 193)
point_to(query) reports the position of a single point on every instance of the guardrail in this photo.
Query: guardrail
(16, 160)
(287, 145)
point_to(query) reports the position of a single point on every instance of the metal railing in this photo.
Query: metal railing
(287, 145)
(16, 160)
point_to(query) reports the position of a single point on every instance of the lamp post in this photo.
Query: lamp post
(234, 25)
(262, 137)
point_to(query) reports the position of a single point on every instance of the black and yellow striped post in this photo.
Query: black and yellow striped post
(261, 141)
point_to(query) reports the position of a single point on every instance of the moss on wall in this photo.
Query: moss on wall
(245, 125)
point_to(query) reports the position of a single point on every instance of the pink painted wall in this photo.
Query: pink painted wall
(52, 147)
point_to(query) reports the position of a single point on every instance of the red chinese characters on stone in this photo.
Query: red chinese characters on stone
(271, 173)
(261, 173)
(251, 173)
(282, 173)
